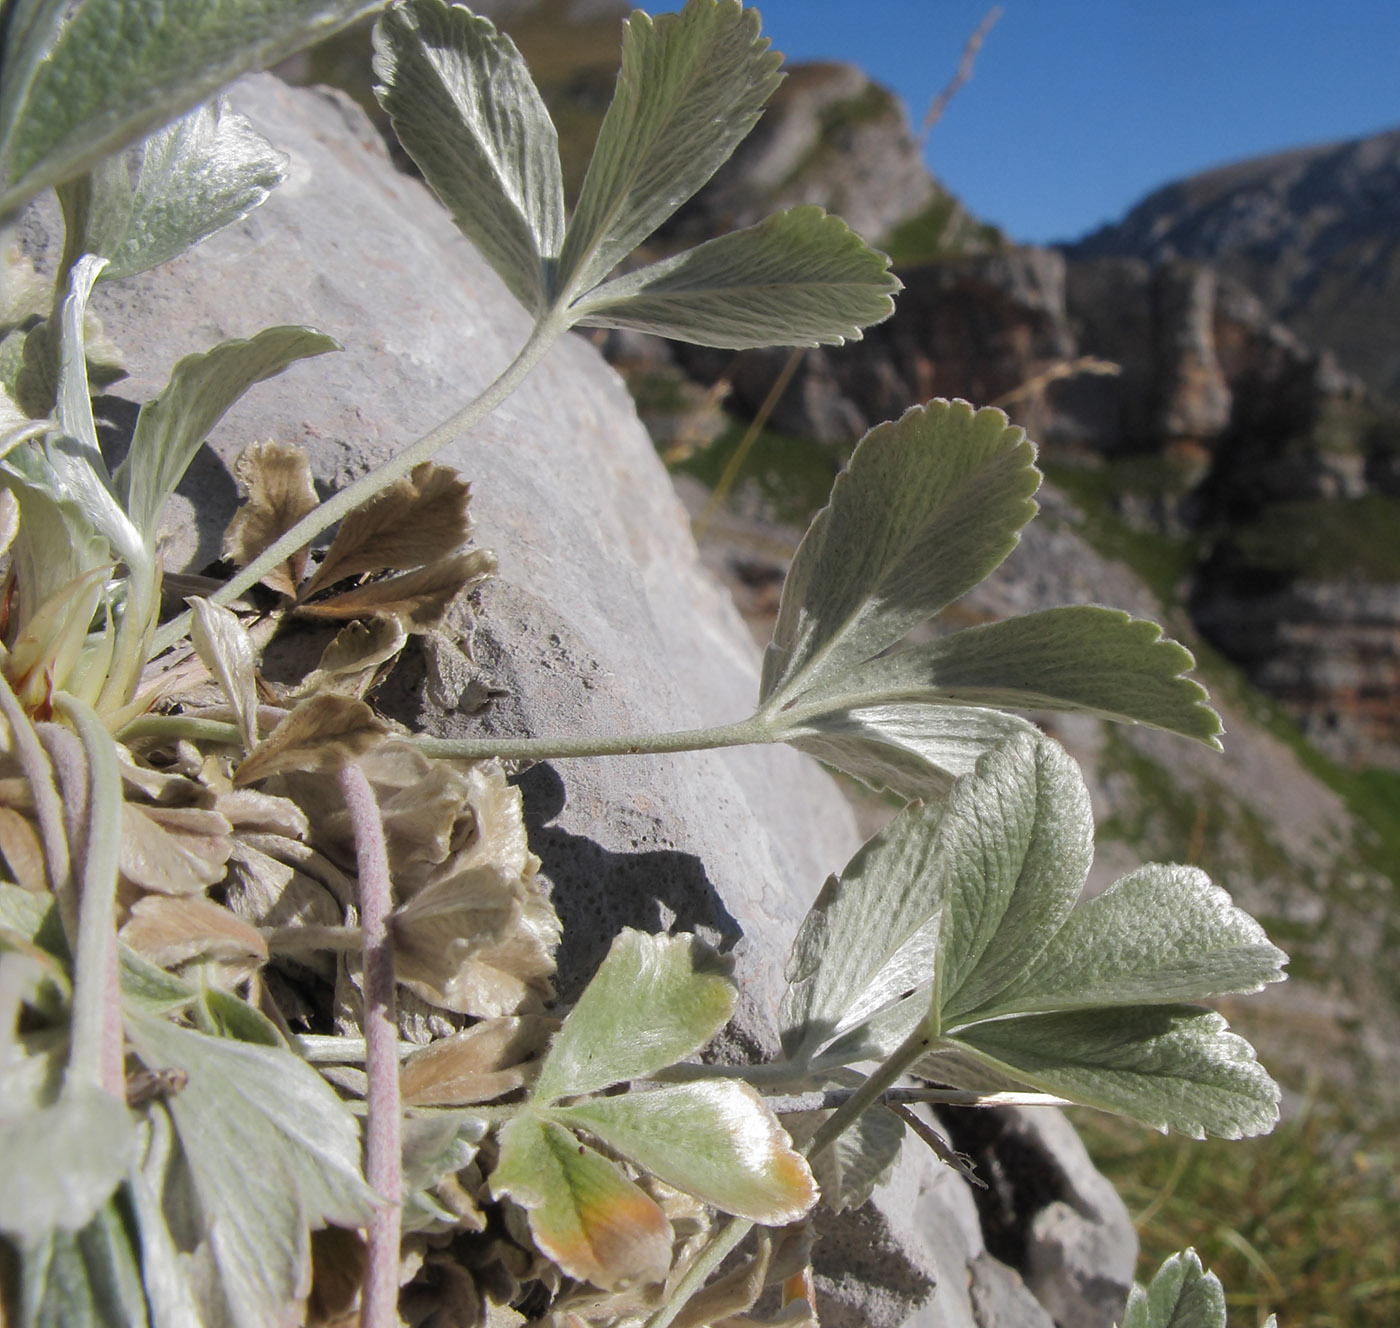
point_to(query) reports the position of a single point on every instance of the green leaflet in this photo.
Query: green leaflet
(1181, 1295)
(91, 1277)
(584, 1213)
(266, 1151)
(654, 1001)
(173, 427)
(927, 507)
(1079, 658)
(715, 1140)
(691, 87)
(860, 1159)
(81, 80)
(467, 111)
(800, 278)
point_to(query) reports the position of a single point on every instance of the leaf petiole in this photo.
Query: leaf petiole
(628, 744)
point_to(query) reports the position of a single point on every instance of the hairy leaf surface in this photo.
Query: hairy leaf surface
(691, 87)
(1181, 1295)
(91, 1277)
(466, 110)
(860, 1159)
(800, 278)
(715, 1140)
(927, 507)
(653, 1001)
(584, 1213)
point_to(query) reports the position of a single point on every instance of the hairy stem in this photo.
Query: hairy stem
(710, 1258)
(627, 744)
(910, 1050)
(340, 504)
(383, 1144)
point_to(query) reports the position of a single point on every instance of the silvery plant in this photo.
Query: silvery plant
(277, 1037)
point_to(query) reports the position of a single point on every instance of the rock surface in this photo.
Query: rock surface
(602, 619)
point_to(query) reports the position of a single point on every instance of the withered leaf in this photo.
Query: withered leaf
(412, 523)
(480, 1063)
(23, 853)
(321, 734)
(228, 652)
(173, 931)
(277, 480)
(418, 599)
(173, 850)
(355, 657)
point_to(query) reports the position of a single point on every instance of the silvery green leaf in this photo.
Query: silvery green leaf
(199, 174)
(466, 110)
(1080, 658)
(83, 78)
(24, 912)
(173, 427)
(952, 899)
(715, 1140)
(928, 506)
(691, 87)
(435, 1147)
(1162, 934)
(267, 1150)
(59, 1165)
(861, 1158)
(800, 278)
(149, 987)
(1181, 1295)
(654, 1001)
(913, 750)
(165, 1275)
(96, 209)
(91, 1277)
(1169, 1066)
(226, 649)
(584, 1213)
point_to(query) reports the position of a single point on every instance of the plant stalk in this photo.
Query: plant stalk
(714, 1254)
(383, 1142)
(627, 744)
(338, 505)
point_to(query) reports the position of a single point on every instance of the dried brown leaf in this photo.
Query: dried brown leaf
(173, 850)
(355, 657)
(321, 735)
(418, 599)
(412, 523)
(480, 1063)
(174, 931)
(250, 811)
(276, 477)
(23, 853)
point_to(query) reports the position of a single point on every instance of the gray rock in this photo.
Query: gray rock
(601, 619)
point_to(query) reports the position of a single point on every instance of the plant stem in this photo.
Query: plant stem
(338, 505)
(95, 1055)
(897, 1097)
(913, 1047)
(628, 744)
(174, 727)
(383, 1144)
(728, 1236)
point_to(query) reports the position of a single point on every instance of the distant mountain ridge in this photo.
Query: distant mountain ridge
(1313, 232)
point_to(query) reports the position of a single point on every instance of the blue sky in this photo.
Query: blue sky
(1076, 109)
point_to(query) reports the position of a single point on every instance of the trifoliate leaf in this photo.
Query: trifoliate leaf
(276, 479)
(800, 278)
(1181, 1295)
(480, 1063)
(173, 427)
(268, 1151)
(466, 110)
(1080, 657)
(691, 87)
(860, 1159)
(199, 174)
(1169, 1066)
(951, 898)
(584, 1213)
(82, 80)
(418, 520)
(715, 1140)
(654, 1001)
(913, 750)
(227, 651)
(928, 506)
(1161, 935)
(61, 1163)
(321, 734)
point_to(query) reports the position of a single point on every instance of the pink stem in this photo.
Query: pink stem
(383, 1146)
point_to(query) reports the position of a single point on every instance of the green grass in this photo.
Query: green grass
(941, 229)
(1357, 537)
